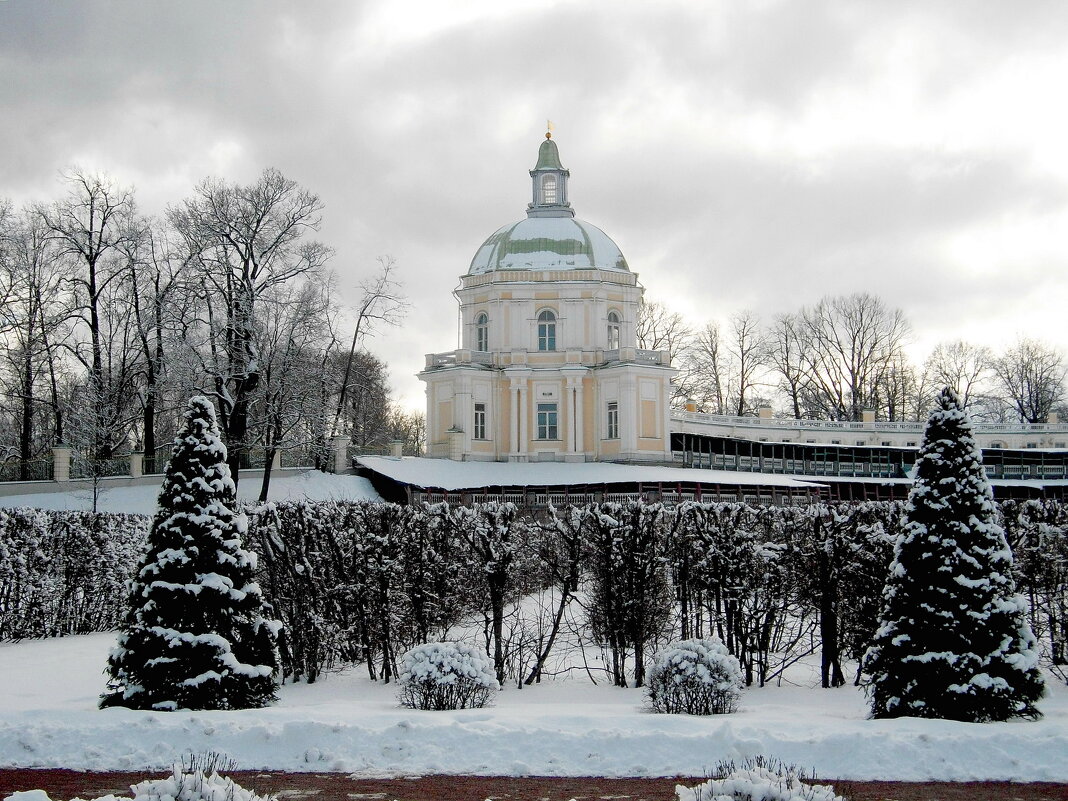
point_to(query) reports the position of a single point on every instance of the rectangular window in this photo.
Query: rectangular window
(480, 421)
(546, 335)
(547, 421)
(613, 420)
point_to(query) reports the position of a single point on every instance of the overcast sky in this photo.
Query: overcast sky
(742, 154)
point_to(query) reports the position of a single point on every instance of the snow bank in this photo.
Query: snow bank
(559, 728)
(179, 786)
(310, 484)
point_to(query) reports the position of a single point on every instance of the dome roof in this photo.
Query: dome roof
(548, 243)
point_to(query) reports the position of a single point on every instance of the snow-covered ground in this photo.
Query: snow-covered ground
(48, 718)
(287, 485)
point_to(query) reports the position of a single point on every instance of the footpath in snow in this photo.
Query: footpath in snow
(48, 718)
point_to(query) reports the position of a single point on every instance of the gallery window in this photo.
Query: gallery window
(613, 420)
(482, 332)
(613, 330)
(548, 427)
(547, 330)
(480, 421)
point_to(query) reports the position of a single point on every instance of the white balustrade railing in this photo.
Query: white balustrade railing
(702, 418)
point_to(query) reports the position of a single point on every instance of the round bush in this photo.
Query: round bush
(695, 677)
(446, 675)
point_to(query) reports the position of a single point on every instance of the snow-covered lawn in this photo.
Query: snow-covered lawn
(48, 718)
(286, 485)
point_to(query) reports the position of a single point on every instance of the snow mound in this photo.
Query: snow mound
(757, 784)
(179, 786)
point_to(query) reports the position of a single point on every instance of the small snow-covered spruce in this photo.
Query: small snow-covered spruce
(195, 785)
(195, 635)
(446, 675)
(695, 677)
(758, 779)
(953, 639)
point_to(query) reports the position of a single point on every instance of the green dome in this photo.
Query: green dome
(548, 156)
(548, 243)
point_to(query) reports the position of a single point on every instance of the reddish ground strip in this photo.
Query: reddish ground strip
(67, 784)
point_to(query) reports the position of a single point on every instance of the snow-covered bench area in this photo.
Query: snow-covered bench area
(285, 485)
(48, 718)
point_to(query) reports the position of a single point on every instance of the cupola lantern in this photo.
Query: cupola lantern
(549, 183)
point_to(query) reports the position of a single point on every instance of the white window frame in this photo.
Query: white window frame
(479, 427)
(548, 421)
(547, 330)
(614, 322)
(612, 420)
(482, 332)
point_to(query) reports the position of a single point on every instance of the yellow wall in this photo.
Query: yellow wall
(647, 427)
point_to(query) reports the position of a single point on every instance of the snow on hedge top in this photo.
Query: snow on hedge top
(450, 476)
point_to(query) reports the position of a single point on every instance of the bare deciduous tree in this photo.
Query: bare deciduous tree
(658, 328)
(750, 353)
(89, 225)
(245, 240)
(960, 365)
(847, 346)
(786, 359)
(1031, 377)
(703, 371)
(32, 317)
(382, 302)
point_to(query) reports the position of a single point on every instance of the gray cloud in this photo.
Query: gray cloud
(419, 141)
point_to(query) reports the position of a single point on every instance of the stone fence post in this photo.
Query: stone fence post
(61, 462)
(339, 445)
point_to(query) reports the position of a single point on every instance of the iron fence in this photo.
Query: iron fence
(18, 470)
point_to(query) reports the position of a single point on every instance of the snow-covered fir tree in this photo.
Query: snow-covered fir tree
(953, 640)
(195, 635)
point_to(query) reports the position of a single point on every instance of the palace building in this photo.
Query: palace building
(548, 369)
(550, 381)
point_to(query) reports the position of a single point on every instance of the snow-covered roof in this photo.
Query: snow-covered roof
(451, 476)
(548, 243)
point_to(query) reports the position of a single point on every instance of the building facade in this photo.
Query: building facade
(549, 368)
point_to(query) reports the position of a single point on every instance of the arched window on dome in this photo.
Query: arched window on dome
(548, 190)
(482, 332)
(547, 330)
(613, 330)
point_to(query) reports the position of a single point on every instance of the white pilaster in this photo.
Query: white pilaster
(628, 416)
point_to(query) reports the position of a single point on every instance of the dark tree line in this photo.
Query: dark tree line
(110, 320)
(846, 354)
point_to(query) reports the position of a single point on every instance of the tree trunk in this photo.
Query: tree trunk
(535, 672)
(26, 433)
(496, 589)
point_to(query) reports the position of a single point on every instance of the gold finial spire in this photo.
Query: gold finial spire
(549, 133)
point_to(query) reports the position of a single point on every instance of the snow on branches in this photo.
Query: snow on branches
(195, 635)
(953, 640)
